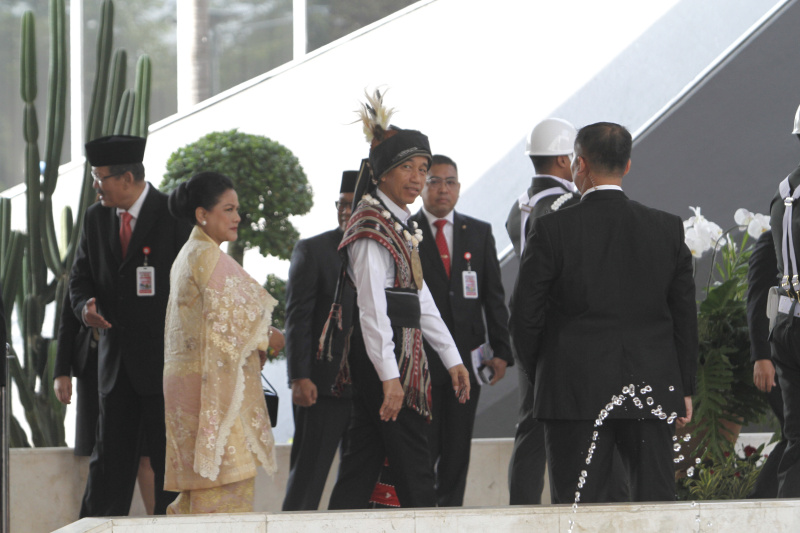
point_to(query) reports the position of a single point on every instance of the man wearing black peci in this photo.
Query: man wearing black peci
(320, 418)
(120, 284)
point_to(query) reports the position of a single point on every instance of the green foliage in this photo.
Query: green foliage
(329, 20)
(268, 178)
(35, 265)
(725, 388)
(730, 477)
(277, 288)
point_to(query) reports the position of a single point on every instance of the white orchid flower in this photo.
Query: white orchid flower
(696, 244)
(709, 232)
(706, 229)
(758, 225)
(743, 217)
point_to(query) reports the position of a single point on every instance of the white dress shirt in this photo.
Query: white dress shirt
(447, 229)
(135, 208)
(601, 188)
(372, 269)
(568, 185)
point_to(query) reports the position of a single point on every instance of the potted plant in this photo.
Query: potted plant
(726, 397)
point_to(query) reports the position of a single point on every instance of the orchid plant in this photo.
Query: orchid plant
(702, 235)
(725, 396)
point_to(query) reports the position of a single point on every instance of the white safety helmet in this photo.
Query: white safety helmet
(797, 122)
(552, 136)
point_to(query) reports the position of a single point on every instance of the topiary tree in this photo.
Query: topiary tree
(277, 288)
(268, 178)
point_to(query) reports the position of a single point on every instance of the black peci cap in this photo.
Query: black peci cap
(115, 150)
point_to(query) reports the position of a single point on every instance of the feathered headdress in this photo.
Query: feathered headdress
(375, 117)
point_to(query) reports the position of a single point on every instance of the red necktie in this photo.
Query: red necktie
(125, 231)
(441, 244)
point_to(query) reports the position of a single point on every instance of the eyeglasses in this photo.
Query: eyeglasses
(450, 183)
(101, 179)
(341, 206)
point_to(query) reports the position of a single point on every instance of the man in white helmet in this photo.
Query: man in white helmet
(785, 333)
(550, 147)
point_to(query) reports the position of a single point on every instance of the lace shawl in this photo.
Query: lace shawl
(218, 316)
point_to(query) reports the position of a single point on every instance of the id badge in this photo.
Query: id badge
(470, 279)
(145, 281)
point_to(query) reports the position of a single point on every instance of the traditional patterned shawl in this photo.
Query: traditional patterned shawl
(218, 317)
(372, 220)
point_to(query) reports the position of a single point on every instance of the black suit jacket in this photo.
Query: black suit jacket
(136, 338)
(761, 275)
(71, 357)
(542, 207)
(465, 317)
(605, 298)
(313, 275)
(785, 334)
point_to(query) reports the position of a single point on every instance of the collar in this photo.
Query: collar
(137, 205)
(433, 218)
(400, 213)
(200, 235)
(568, 185)
(602, 188)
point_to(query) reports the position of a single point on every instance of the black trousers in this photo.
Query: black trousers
(369, 441)
(318, 430)
(450, 438)
(528, 458)
(785, 339)
(87, 409)
(115, 459)
(788, 373)
(767, 483)
(645, 447)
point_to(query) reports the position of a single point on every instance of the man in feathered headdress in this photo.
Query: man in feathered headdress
(386, 361)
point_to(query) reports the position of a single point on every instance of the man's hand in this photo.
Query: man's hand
(460, 378)
(304, 392)
(683, 420)
(92, 318)
(499, 367)
(392, 399)
(62, 385)
(764, 375)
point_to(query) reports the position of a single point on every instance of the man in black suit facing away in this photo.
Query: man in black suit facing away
(460, 265)
(605, 298)
(120, 284)
(320, 418)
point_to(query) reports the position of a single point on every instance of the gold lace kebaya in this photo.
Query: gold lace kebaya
(218, 317)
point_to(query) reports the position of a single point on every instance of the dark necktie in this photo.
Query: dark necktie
(125, 231)
(441, 244)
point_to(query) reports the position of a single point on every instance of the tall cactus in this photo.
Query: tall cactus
(35, 266)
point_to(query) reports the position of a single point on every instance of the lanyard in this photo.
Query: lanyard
(526, 206)
(787, 242)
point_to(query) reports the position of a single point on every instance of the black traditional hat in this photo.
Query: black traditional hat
(349, 178)
(389, 145)
(115, 150)
(401, 146)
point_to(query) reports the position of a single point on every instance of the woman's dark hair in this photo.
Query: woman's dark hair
(201, 190)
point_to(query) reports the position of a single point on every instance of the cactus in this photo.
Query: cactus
(28, 260)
